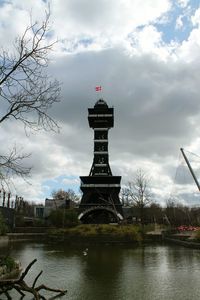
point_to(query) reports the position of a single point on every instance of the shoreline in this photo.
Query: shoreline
(104, 235)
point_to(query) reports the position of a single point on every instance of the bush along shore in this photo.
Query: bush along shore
(9, 268)
(97, 233)
(135, 234)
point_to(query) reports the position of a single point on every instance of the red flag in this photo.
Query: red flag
(98, 88)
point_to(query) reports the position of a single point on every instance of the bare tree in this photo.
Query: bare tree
(138, 192)
(125, 197)
(26, 91)
(65, 195)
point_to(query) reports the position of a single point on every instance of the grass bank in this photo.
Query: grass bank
(98, 233)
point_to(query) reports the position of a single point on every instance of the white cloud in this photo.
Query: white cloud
(82, 24)
(148, 40)
(16, 15)
(189, 50)
(105, 24)
(196, 18)
(179, 22)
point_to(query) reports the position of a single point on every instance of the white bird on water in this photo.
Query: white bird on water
(85, 252)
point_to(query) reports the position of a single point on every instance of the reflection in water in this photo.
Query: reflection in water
(157, 272)
(102, 269)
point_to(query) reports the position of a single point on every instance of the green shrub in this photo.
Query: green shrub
(8, 261)
(197, 235)
(19, 221)
(127, 233)
(39, 223)
(63, 218)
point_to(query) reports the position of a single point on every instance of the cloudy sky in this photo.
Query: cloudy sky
(146, 56)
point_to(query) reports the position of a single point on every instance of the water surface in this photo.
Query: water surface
(154, 272)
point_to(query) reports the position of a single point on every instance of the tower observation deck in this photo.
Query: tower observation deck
(100, 200)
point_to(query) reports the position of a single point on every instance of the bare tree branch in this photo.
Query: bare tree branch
(11, 166)
(26, 90)
(21, 286)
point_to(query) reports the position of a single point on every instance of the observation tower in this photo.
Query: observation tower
(100, 200)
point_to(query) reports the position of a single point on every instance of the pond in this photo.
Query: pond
(114, 272)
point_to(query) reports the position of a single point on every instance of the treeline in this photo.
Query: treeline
(18, 203)
(173, 214)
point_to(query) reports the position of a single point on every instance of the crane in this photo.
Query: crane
(190, 168)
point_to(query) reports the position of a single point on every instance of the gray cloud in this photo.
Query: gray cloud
(154, 102)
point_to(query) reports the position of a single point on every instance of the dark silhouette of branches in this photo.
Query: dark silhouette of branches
(10, 165)
(22, 287)
(26, 90)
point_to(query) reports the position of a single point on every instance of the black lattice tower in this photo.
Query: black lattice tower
(100, 201)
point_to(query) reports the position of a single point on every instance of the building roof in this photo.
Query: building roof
(100, 103)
